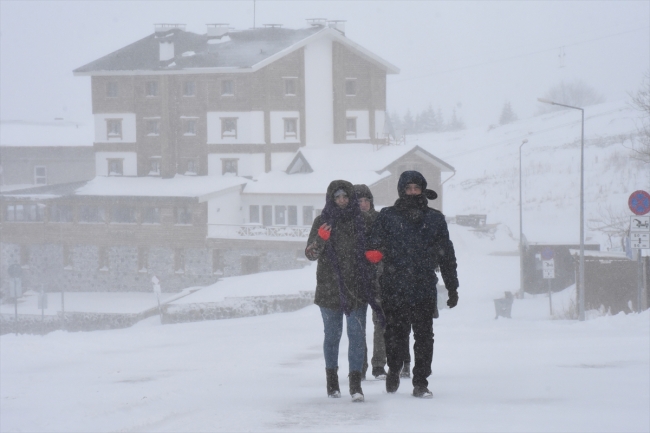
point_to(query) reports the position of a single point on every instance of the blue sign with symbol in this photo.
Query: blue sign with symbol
(639, 202)
(547, 253)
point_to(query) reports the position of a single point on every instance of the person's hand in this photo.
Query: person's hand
(324, 231)
(374, 256)
(453, 298)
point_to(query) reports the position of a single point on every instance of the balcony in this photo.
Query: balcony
(258, 232)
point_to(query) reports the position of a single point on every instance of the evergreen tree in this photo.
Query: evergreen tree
(440, 121)
(409, 123)
(456, 123)
(507, 115)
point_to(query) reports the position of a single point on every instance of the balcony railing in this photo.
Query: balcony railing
(289, 233)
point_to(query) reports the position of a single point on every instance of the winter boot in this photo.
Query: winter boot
(333, 389)
(355, 386)
(422, 392)
(392, 382)
(406, 370)
(379, 373)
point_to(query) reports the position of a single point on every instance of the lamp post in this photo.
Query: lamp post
(581, 269)
(521, 230)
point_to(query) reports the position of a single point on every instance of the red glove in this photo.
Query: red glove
(324, 234)
(374, 256)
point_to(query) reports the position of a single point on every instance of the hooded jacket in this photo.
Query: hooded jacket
(344, 241)
(362, 191)
(414, 240)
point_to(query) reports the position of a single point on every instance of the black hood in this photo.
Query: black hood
(335, 185)
(362, 191)
(415, 177)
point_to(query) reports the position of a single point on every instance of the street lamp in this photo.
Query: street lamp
(581, 270)
(521, 230)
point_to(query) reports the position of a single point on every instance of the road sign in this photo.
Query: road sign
(547, 253)
(640, 232)
(548, 268)
(640, 240)
(640, 223)
(639, 202)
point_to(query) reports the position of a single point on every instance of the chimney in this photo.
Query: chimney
(217, 30)
(164, 34)
(337, 25)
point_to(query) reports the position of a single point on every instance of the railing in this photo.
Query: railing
(388, 140)
(289, 233)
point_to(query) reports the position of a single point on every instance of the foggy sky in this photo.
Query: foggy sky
(473, 56)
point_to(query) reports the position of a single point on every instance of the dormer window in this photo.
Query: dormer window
(227, 88)
(350, 87)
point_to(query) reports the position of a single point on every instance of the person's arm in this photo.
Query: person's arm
(448, 265)
(377, 233)
(315, 243)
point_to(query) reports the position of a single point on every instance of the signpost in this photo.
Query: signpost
(639, 203)
(548, 272)
(156, 289)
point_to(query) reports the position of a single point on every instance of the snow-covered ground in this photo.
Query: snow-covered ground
(266, 373)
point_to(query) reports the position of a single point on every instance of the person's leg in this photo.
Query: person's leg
(379, 346)
(394, 335)
(356, 328)
(333, 329)
(422, 321)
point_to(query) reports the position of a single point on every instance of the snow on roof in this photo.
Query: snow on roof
(276, 182)
(54, 133)
(178, 186)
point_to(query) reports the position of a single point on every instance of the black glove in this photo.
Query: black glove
(453, 298)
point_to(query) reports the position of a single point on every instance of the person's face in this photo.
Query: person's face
(341, 200)
(413, 189)
(364, 204)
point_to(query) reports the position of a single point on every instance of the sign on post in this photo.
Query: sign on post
(640, 232)
(639, 202)
(548, 269)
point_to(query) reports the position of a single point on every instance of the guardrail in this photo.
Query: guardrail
(250, 231)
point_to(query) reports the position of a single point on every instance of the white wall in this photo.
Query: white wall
(225, 209)
(129, 163)
(277, 126)
(250, 127)
(299, 200)
(380, 121)
(128, 127)
(319, 98)
(248, 164)
(363, 123)
(281, 160)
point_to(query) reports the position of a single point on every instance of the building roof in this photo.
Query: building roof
(24, 133)
(278, 182)
(236, 51)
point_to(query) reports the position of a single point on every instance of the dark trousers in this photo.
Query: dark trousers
(399, 320)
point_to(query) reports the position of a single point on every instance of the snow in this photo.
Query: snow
(48, 134)
(275, 182)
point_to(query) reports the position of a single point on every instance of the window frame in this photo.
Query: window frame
(150, 85)
(254, 210)
(121, 165)
(224, 132)
(353, 90)
(189, 88)
(112, 89)
(152, 126)
(183, 211)
(290, 86)
(280, 215)
(101, 214)
(305, 210)
(289, 121)
(187, 130)
(145, 213)
(292, 215)
(349, 133)
(195, 165)
(227, 88)
(158, 160)
(37, 177)
(129, 210)
(225, 162)
(56, 208)
(114, 122)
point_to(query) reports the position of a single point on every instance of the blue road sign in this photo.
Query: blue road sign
(639, 202)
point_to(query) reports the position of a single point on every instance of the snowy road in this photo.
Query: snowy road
(266, 373)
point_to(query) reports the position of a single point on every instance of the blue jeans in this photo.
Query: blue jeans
(356, 327)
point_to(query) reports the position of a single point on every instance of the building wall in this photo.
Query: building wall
(319, 102)
(62, 164)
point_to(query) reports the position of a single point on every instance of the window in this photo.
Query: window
(154, 166)
(179, 260)
(114, 128)
(61, 213)
(228, 127)
(153, 127)
(91, 214)
(189, 88)
(267, 215)
(151, 215)
(143, 259)
(40, 175)
(292, 215)
(111, 89)
(115, 167)
(189, 126)
(307, 215)
(31, 212)
(290, 128)
(229, 166)
(217, 261)
(254, 212)
(151, 88)
(290, 87)
(227, 88)
(280, 215)
(191, 167)
(102, 259)
(123, 215)
(351, 127)
(183, 215)
(350, 86)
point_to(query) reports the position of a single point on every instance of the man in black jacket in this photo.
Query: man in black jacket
(413, 241)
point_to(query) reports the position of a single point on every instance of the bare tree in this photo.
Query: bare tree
(641, 101)
(576, 93)
(614, 224)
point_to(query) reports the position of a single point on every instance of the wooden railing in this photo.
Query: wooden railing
(251, 231)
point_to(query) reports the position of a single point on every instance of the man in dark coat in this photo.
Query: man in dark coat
(414, 241)
(378, 361)
(343, 281)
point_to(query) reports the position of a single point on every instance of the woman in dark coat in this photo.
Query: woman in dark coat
(337, 240)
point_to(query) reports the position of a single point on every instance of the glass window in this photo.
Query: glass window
(290, 86)
(114, 128)
(183, 215)
(351, 127)
(111, 89)
(61, 213)
(192, 167)
(189, 88)
(254, 212)
(229, 166)
(123, 214)
(151, 215)
(40, 175)
(350, 86)
(189, 127)
(280, 215)
(91, 214)
(115, 167)
(292, 215)
(154, 167)
(290, 128)
(151, 88)
(228, 127)
(227, 88)
(153, 127)
(307, 215)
